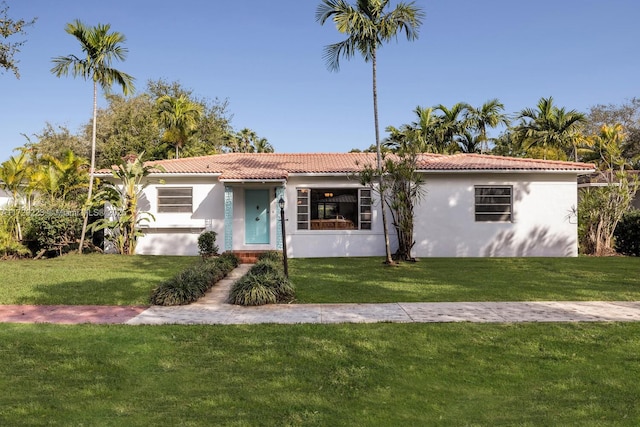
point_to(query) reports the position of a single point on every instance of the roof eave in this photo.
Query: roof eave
(547, 171)
(253, 180)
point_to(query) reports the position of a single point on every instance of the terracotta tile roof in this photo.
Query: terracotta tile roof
(493, 163)
(277, 166)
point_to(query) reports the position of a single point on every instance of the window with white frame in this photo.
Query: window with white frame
(333, 209)
(365, 209)
(175, 199)
(493, 203)
(303, 209)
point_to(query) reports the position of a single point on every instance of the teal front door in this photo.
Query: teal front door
(256, 216)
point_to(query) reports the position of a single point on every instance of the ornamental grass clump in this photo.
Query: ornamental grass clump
(192, 283)
(229, 259)
(265, 283)
(274, 256)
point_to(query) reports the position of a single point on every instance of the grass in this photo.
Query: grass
(87, 279)
(362, 280)
(356, 375)
(119, 280)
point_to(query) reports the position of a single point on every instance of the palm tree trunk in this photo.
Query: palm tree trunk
(387, 246)
(92, 167)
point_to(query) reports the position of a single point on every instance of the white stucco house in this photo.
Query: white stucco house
(475, 205)
(5, 198)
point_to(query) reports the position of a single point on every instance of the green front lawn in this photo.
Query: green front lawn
(361, 280)
(88, 279)
(120, 280)
(325, 375)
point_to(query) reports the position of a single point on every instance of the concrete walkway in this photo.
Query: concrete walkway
(212, 309)
(480, 312)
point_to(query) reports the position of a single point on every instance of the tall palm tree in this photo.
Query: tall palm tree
(244, 140)
(179, 116)
(469, 143)
(247, 141)
(549, 126)
(262, 145)
(422, 131)
(100, 48)
(368, 26)
(490, 114)
(416, 137)
(451, 123)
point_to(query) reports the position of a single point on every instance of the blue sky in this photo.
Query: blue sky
(266, 59)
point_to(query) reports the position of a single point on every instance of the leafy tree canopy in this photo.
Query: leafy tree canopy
(8, 49)
(127, 125)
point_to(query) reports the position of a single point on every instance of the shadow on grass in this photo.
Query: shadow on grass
(119, 291)
(363, 280)
(88, 280)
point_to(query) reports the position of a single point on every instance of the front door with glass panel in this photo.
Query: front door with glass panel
(256, 217)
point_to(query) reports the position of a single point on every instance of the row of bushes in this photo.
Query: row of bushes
(265, 283)
(192, 283)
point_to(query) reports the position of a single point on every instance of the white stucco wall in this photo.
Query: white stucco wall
(542, 225)
(5, 198)
(177, 233)
(445, 223)
(332, 243)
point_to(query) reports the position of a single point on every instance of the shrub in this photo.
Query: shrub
(192, 283)
(9, 248)
(627, 234)
(207, 244)
(264, 284)
(230, 258)
(271, 255)
(53, 228)
(184, 288)
(251, 290)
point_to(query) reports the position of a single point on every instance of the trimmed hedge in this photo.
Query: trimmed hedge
(627, 234)
(192, 283)
(265, 283)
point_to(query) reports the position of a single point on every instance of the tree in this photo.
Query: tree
(549, 126)
(179, 116)
(628, 115)
(100, 48)
(60, 178)
(55, 142)
(14, 175)
(601, 208)
(490, 114)
(400, 191)
(124, 219)
(212, 127)
(470, 143)
(367, 27)
(247, 141)
(450, 123)
(127, 126)
(8, 28)
(419, 136)
(506, 145)
(406, 190)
